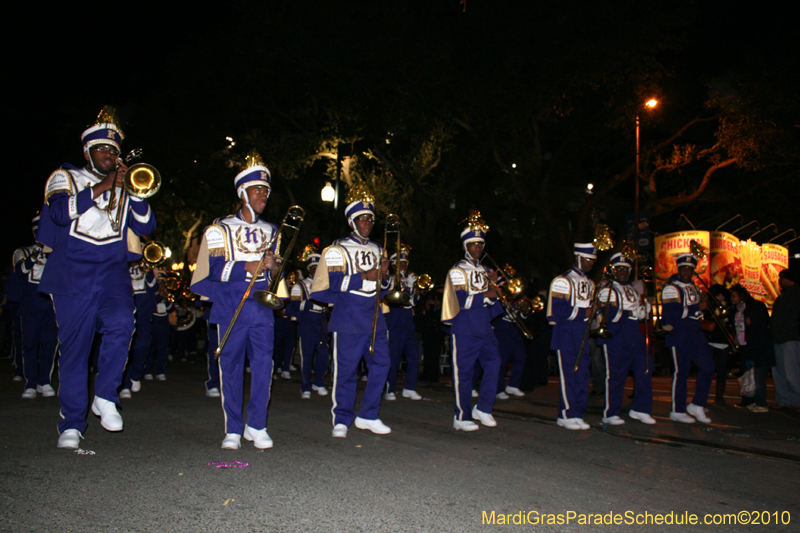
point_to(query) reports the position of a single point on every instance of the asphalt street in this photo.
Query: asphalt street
(166, 471)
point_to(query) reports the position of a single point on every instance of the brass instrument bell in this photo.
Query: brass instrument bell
(424, 283)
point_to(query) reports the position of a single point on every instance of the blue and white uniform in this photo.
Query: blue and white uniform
(571, 296)
(626, 349)
(403, 336)
(469, 315)
(88, 279)
(681, 312)
(512, 349)
(221, 277)
(312, 328)
(37, 319)
(145, 288)
(338, 282)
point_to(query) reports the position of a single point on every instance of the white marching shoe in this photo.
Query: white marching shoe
(161, 377)
(29, 394)
(513, 391)
(232, 441)
(390, 396)
(411, 394)
(71, 438)
(484, 418)
(136, 386)
(339, 431)
(681, 417)
(213, 392)
(258, 437)
(305, 395)
(125, 394)
(613, 421)
(148, 377)
(568, 423)
(286, 375)
(322, 391)
(502, 396)
(642, 417)
(698, 412)
(464, 425)
(582, 424)
(46, 391)
(110, 419)
(375, 426)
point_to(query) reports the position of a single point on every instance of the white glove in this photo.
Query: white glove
(411, 279)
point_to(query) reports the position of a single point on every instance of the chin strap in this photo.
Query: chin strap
(91, 163)
(253, 216)
(355, 230)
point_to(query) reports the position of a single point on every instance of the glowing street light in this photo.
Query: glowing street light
(650, 104)
(328, 192)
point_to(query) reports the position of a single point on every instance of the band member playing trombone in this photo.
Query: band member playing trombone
(470, 304)
(87, 274)
(625, 349)
(230, 255)
(568, 310)
(348, 277)
(402, 334)
(681, 316)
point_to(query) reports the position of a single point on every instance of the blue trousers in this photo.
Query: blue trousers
(466, 351)
(348, 350)
(213, 362)
(311, 343)
(78, 318)
(626, 350)
(142, 340)
(37, 364)
(403, 341)
(683, 355)
(574, 385)
(512, 348)
(159, 347)
(255, 342)
(18, 346)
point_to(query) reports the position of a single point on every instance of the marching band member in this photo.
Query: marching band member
(512, 348)
(469, 305)
(159, 336)
(88, 276)
(681, 316)
(38, 321)
(145, 288)
(626, 349)
(402, 334)
(312, 328)
(229, 257)
(351, 270)
(568, 309)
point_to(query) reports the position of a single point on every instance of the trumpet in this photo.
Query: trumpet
(528, 306)
(153, 254)
(293, 219)
(140, 181)
(511, 291)
(602, 332)
(424, 283)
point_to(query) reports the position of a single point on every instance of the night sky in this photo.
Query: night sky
(65, 63)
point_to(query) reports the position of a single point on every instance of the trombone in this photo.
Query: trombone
(513, 290)
(396, 296)
(658, 331)
(720, 311)
(608, 275)
(293, 219)
(141, 181)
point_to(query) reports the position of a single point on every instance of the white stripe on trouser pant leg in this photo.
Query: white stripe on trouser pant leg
(563, 386)
(456, 387)
(674, 376)
(335, 376)
(222, 386)
(608, 379)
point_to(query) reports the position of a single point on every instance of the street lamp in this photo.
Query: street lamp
(650, 104)
(328, 192)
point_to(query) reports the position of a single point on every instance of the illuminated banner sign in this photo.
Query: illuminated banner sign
(671, 245)
(726, 263)
(774, 258)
